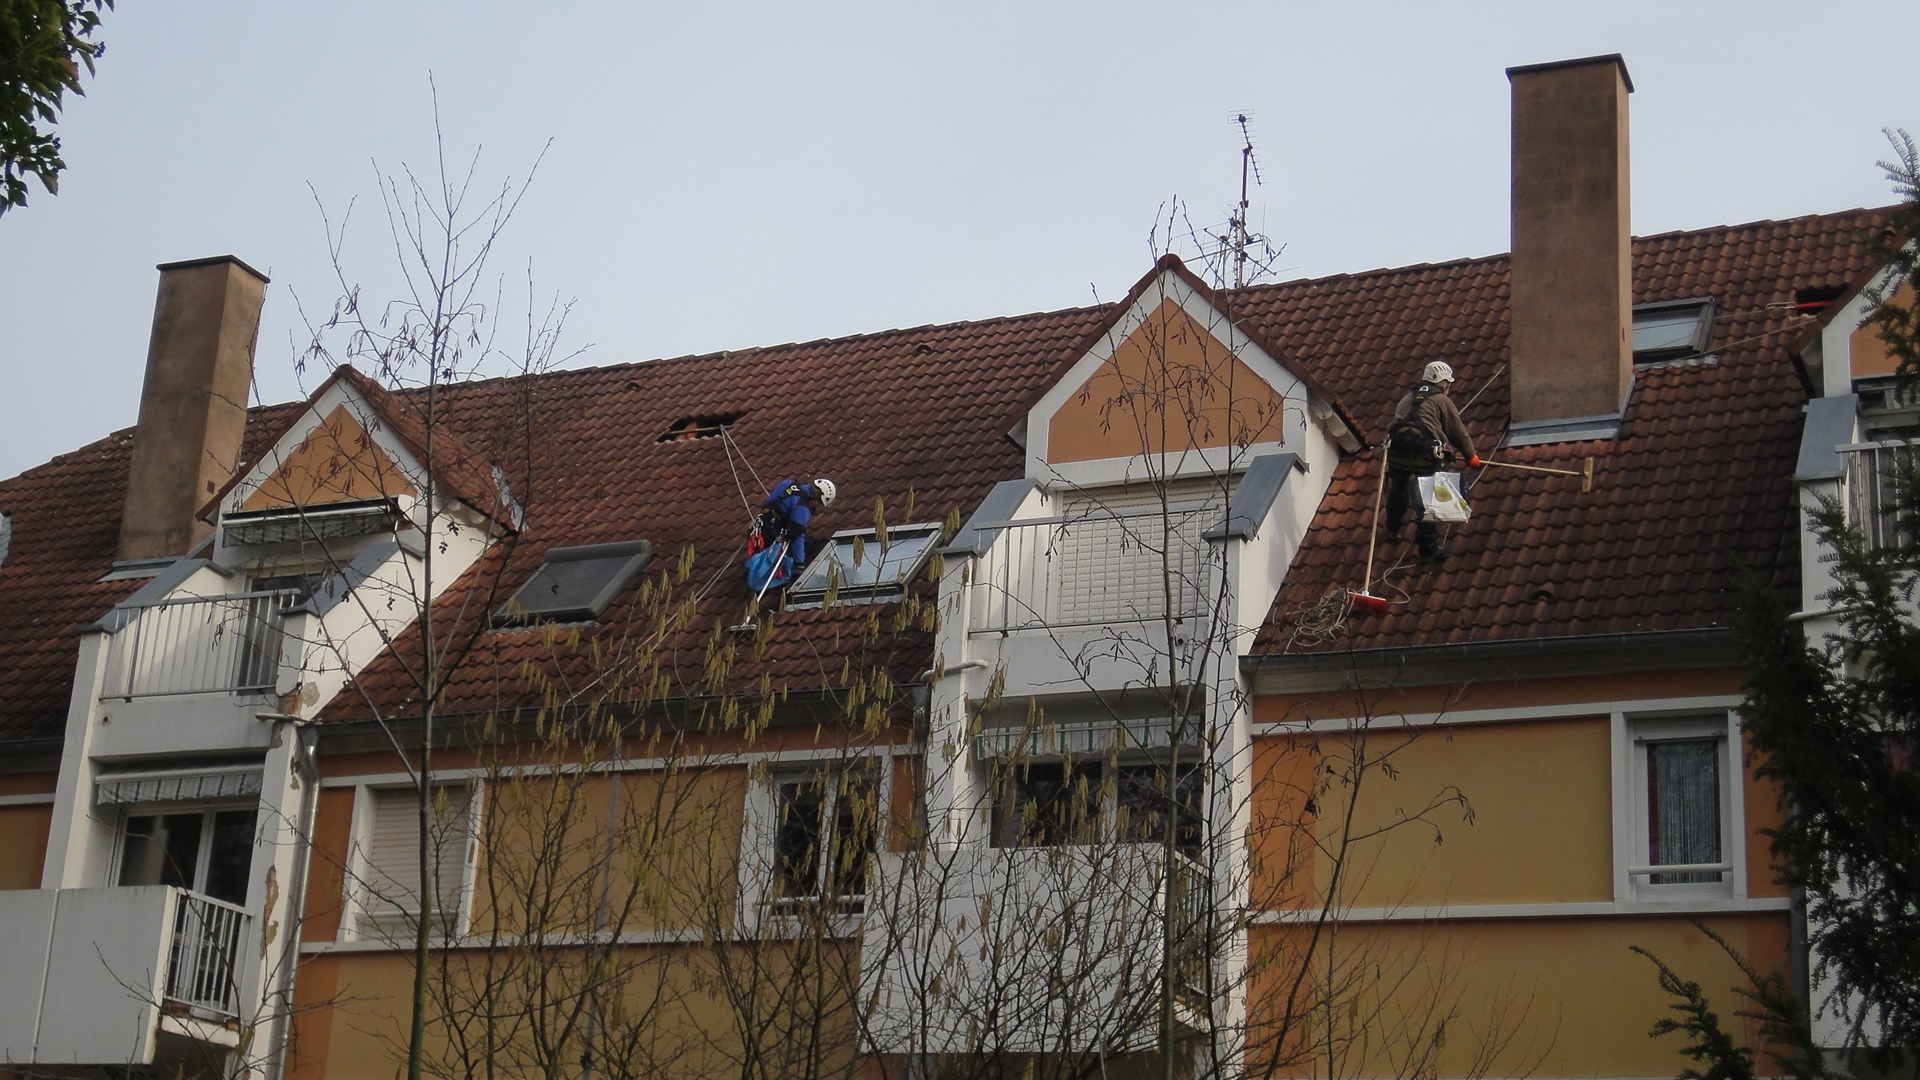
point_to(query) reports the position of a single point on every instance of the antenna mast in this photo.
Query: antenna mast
(1240, 238)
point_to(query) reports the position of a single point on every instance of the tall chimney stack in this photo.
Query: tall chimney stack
(193, 407)
(1571, 292)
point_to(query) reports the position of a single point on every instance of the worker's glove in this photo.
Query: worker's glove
(1472, 460)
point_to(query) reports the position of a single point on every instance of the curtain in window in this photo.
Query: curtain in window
(1683, 807)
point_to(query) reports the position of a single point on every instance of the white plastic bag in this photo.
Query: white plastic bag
(1440, 494)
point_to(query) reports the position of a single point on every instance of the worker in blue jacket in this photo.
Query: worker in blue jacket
(784, 515)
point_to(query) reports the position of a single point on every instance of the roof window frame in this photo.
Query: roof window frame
(632, 557)
(1695, 346)
(814, 584)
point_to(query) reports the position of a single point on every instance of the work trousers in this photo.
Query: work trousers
(1403, 497)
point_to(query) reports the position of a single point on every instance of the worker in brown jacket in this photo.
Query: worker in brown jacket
(1426, 424)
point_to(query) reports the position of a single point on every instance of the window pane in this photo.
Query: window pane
(231, 857)
(853, 834)
(1683, 807)
(1670, 329)
(1047, 804)
(1141, 805)
(859, 563)
(796, 840)
(161, 849)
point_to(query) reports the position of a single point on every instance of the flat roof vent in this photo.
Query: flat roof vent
(576, 583)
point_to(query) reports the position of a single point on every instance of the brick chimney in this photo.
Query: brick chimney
(1571, 293)
(193, 407)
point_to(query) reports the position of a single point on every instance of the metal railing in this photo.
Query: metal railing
(1188, 904)
(1876, 481)
(203, 961)
(199, 645)
(1092, 570)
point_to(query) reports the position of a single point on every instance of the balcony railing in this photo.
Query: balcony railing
(199, 645)
(202, 965)
(1093, 570)
(1876, 480)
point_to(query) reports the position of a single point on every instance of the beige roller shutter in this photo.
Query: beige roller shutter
(393, 860)
(1123, 546)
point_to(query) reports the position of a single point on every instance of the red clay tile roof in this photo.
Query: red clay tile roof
(1705, 455)
(65, 517)
(1692, 500)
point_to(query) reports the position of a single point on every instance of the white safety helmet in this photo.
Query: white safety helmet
(1438, 372)
(826, 489)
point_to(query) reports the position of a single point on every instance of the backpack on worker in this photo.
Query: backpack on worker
(1410, 446)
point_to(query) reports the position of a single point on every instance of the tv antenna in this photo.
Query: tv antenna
(1238, 240)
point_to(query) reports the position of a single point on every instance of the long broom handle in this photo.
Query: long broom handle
(1373, 533)
(1533, 468)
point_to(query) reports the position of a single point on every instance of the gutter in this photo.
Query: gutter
(1526, 658)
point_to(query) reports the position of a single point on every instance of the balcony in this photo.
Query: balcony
(1032, 950)
(1877, 475)
(1090, 570)
(110, 976)
(198, 645)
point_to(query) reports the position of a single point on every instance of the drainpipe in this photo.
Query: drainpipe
(307, 764)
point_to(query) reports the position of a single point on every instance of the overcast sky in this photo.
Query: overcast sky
(731, 175)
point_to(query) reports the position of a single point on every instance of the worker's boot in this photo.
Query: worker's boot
(1437, 552)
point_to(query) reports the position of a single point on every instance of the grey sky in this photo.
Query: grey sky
(732, 175)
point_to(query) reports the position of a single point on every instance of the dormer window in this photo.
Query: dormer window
(857, 565)
(328, 521)
(1671, 329)
(576, 584)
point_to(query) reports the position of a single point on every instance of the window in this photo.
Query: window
(823, 835)
(1682, 809)
(206, 851)
(576, 583)
(1050, 803)
(860, 564)
(1671, 329)
(391, 876)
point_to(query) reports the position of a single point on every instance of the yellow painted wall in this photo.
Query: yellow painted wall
(1473, 814)
(337, 462)
(23, 844)
(1169, 386)
(1542, 997)
(700, 1007)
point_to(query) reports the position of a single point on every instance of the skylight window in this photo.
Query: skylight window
(576, 584)
(1672, 329)
(856, 565)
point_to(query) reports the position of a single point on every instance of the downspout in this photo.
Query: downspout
(309, 769)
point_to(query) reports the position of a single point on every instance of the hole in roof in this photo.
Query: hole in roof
(1815, 299)
(575, 584)
(1671, 329)
(700, 427)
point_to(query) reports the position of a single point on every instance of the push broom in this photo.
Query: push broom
(1364, 600)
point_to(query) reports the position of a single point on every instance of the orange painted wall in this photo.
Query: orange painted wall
(1169, 386)
(337, 462)
(1868, 353)
(23, 844)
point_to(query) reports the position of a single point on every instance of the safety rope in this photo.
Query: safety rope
(727, 443)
